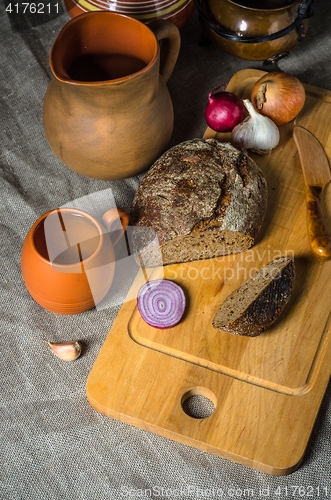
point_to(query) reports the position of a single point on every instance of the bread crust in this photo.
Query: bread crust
(202, 186)
(266, 308)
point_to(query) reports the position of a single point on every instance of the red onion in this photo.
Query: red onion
(224, 111)
(161, 303)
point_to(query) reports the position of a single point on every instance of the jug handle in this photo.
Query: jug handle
(169, 34)
(116, 215)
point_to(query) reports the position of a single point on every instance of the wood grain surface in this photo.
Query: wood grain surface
(266, 390)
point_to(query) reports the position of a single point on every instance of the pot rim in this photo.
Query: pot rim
(284, 7)
(77, 265)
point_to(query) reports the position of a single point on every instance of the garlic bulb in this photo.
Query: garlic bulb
(257, 132)
(66, 350)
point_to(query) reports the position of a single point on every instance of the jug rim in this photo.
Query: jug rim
(63, 76)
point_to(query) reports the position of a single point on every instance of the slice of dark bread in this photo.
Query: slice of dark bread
(203, 199)
(259, 301)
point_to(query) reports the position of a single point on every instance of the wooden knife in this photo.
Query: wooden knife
(316, 171)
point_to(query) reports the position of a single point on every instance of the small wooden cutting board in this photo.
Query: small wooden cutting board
(266, 390)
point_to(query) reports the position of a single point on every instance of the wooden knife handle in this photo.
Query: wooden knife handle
(319, 237)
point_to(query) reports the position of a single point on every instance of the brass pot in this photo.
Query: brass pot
(255, 30)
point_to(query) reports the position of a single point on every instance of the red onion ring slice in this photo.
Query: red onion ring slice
(161, 303)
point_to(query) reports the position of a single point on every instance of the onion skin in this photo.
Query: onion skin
(279, 96)
(224, 111)
(161, 303)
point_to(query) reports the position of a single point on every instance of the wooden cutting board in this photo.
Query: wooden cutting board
(266, 390)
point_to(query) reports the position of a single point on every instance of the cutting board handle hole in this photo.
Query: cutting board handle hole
(199, 402)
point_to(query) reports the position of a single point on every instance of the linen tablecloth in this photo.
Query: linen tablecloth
(53, 444)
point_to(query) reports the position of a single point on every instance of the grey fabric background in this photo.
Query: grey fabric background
(53, 445)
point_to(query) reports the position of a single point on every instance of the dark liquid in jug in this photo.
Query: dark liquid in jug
(103, 67)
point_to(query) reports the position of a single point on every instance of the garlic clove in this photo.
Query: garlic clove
(257, 132)
(66, 350)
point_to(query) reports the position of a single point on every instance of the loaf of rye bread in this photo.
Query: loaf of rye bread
(259, 301)
(203, 198)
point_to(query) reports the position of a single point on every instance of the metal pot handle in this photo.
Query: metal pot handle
(305, 10)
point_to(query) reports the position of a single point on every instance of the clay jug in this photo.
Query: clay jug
(107, 113)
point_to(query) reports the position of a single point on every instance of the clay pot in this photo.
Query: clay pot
(253, 29)
(107, 112)
(144, 10)
(68, 259)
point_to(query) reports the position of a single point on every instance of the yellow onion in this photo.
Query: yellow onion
(279, 96)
